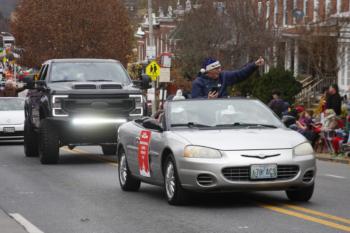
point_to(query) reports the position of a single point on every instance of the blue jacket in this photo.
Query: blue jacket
(203, 84)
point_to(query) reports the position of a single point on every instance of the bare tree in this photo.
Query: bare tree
(234, 33)
(4, 24)
(81, 28)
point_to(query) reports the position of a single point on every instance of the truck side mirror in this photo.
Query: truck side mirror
(29, 82)
(143, 83)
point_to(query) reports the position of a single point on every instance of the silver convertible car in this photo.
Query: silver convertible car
(213, 146)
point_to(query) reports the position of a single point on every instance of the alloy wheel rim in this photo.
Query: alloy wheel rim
(170, 180)
(122, 170)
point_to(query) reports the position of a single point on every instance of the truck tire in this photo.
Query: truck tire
(109, 150)
(48, 143)
(31, 143)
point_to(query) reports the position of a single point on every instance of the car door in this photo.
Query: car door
(144, 152)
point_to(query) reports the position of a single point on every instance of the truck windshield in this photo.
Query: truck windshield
(89, 72)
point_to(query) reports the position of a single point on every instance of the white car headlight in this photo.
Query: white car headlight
(303, 149)
(201, 152)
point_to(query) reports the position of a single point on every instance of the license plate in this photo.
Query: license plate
(9, 129)
(263, 171)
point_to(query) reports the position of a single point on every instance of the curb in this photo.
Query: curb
(333, 159)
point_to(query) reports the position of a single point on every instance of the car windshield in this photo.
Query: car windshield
(222, 113)
(89, 72)
(11, 104)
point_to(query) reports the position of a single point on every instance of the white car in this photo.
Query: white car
(11, 118)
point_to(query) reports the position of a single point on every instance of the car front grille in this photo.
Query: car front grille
(284, 172)
(113, 105)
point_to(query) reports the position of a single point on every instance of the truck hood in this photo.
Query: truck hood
(92, 87)
(243, 139)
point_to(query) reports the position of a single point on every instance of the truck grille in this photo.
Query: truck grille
(284, 172)
(113, 105)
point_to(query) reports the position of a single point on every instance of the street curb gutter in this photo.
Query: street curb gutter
(335, 159)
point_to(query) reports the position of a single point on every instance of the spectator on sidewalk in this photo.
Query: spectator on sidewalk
(277, 104)
(212, 81)
(11, 89)
(333, 100)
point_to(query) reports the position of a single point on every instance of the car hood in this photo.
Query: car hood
(243, 139)
(12, 117)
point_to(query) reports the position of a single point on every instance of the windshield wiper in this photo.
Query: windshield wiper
(63, 81)
(248, 125)
(190, 125)
(100, 80)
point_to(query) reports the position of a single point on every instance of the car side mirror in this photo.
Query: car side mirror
(152, 124)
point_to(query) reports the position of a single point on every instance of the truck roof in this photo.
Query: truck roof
(79, 60)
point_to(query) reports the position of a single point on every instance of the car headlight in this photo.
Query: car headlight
(303, 149)
(57, 110)
(201, 152)
(138, 111)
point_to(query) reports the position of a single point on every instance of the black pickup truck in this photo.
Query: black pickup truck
(78, 102)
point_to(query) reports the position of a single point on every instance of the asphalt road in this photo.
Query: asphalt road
(82, 195)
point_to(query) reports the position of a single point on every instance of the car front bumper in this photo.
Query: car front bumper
(207, 174)
(17, 134)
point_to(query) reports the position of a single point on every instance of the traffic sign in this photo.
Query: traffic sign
(153, 70)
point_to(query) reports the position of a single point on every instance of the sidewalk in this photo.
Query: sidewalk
(9, 225)
(329, 157)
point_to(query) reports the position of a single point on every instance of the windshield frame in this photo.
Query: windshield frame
(168, 106)
(126, 82)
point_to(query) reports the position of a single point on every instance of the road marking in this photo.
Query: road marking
(317, 213)
(306, 217)
(85, 154)
(335, 176)
(25, 223)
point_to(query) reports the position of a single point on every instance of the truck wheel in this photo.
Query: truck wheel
(303, 194)
(109, 150)
(31, 144)
(175, 194)
(48, 143)
(126, 180)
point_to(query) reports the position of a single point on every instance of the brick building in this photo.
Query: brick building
(324, 20)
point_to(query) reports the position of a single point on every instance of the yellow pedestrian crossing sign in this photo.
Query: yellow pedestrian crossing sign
(153, 70)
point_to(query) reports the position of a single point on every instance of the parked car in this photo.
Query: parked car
(215, 145)
(11, 118)
(78, 102)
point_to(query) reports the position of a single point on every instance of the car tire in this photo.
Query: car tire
(48, 143)
(174, 192)
(301, 195)
(31, 143)
(126, 180)
(109, 150)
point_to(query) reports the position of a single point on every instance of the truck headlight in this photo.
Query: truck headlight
(57, 110)
(303, 149)
(201, 152)
(138, 111)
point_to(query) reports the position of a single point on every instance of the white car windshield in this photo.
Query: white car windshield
(222, 113)
(89, 72)
(11, 104)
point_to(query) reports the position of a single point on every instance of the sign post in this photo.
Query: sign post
(153, 71)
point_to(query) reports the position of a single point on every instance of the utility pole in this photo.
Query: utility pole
(151, 44)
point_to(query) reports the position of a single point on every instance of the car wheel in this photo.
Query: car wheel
(303, 194)
(48, 143)
(109, 150)
(175, 194)
(126, 180)
(31, 145)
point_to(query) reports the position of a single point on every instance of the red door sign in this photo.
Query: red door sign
(143, 153)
